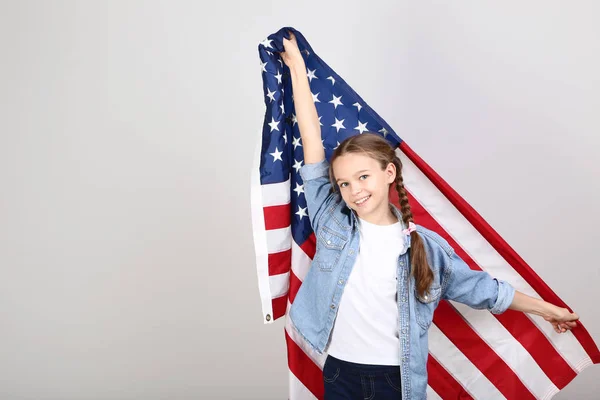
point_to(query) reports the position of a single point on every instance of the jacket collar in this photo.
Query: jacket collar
(398, 215)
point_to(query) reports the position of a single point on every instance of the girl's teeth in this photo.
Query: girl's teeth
(363, 200)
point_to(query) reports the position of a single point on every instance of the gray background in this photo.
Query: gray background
(127, 135)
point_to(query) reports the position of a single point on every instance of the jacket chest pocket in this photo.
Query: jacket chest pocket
(329, 248)
(426, 305)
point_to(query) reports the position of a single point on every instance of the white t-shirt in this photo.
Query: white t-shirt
(366, 327)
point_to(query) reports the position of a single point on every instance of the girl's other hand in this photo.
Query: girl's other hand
(562, 320)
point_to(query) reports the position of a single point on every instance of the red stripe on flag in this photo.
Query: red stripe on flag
(295, 283)
(451, 323)
(277, 217)
(280, 263)
(443, 383)
(279, 305)
(303, 367)
(517, 323)
(503, 248)
(310, 246)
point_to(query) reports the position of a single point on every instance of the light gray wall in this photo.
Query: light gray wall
(127, 134)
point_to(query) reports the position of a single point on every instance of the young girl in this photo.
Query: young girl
(376, 277)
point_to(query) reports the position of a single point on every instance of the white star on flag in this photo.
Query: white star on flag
(296, 142)
(301, 212)
(339, 124)
(311, 74)
(384, 131)
(297, 165)
(357, 105)
(266, 43)
(271, 95)
(273, 124)
(278, 77)
(299, 189)
(361, 127)
(263, 67)
(277, 155)
(316, 97)
(332, 79)
(336, 101)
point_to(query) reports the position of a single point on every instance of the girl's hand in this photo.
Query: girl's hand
(291, 55)
(561, 319)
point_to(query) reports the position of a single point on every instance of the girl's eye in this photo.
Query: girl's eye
(343, 184)
(363, 177)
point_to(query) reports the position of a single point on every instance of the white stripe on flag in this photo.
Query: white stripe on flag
(280, 284)
(279, 239)
(509, 349)
(300, 261)
(276, 194)
(460, 367)
(488, 259)
(297, 391)
(260, 238)
(431, 394)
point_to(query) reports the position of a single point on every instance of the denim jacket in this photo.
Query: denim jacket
(314, 309)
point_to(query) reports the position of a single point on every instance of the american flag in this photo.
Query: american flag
(473, 354)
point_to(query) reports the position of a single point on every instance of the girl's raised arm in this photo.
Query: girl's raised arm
(306, 112)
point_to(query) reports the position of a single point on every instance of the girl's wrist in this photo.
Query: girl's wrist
(549, 310)
(296, 66)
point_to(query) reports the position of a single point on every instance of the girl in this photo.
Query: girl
(376, 278)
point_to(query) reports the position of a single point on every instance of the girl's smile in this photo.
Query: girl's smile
(362, 201)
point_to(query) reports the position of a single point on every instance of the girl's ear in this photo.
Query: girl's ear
(390, 173)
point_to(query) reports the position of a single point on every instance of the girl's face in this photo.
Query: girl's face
(364, 186)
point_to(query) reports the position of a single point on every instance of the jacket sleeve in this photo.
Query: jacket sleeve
(317, 190)
(476, 289)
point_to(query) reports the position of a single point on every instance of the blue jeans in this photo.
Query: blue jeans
(349, 381)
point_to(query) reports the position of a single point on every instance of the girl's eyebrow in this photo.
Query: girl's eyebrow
(356, 173)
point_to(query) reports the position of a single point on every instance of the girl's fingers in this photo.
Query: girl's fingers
(563, 327)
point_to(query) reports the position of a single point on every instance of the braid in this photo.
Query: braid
(418, 258)
(403, 198)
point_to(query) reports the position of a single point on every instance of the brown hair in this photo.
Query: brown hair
(376, 147)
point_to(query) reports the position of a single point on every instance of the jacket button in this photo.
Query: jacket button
(333, 306)
(329, 242)
(351, 252)
(341, 281)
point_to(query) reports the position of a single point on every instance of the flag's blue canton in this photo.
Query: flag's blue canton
(342, 113)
